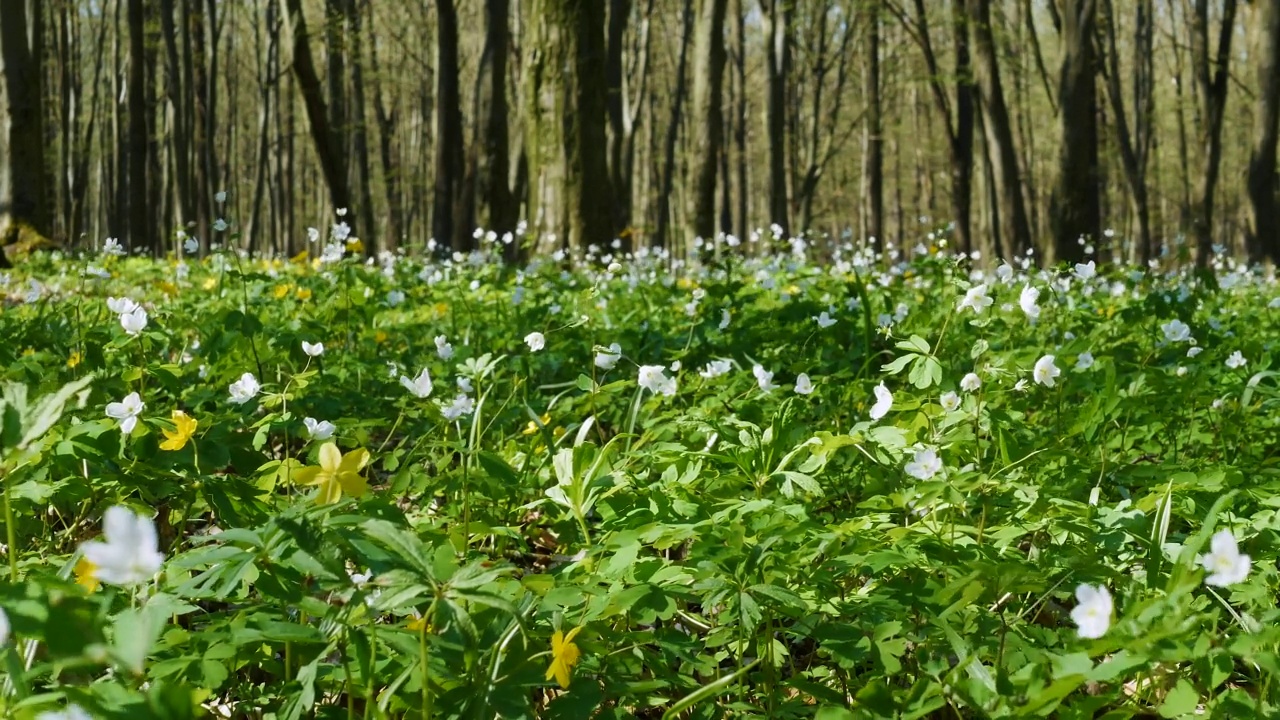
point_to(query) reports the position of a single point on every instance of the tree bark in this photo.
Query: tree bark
(660, 238)
(24, 210)
(1075, 206)
(1212, 80)
(873, 135)
(707, 115)
(776, 26)
(449, 223)
(1135, 142)
(141, 233)
(1264, 208)
(1014, 233)
(490, 164)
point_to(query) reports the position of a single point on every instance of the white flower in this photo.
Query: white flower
(716, 368)
(73, 712)
(607, 359)
(1027, 301)
(443, 348)
(313, 234)
(1236, 361)
(126, 412)
(976, 299)
(244, 389)
(319, 429)
(1005, 273)
(464, 384)
(220, 196)
(654, 379)
(924, 465)
(220, 225)
(340, 231)
(1224, 563)
(825, 320)
(394, 298)
(461, 405)
(724, 318)
(884, 401)
(134, 321)
(970, 382)
(1086, 271)
(1045, 371)
(130, 555)
(1182, 370)
(1092, 613)
(191, 246)
(1194, 350)
(313, 349)
(949, 401)
(4, 628)
(121, 306)
(112, 246)
(536, 341)
(1176, 331)
(420, 386)
(764, 378)
(1084, 361)
(804, 385)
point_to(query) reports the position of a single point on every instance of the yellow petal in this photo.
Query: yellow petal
(85, 575)
(354, 461)
(330, 457)
(308, 475)
(175, 442)
(330, 491)
(352, 483)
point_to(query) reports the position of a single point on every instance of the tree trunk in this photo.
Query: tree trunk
(873, 136)
(660, 238)
(1135, 145)
(490, 164)
(776, 26)
(141, 233)
(360, 129)
(1211, 83)
(1014, 232)
(387, 152)
(1074, 208)
(707, 126)
(449, 223)
(1263, 205)
(24, 211)
(328, 149)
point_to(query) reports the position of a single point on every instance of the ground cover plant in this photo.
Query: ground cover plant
(780, 482)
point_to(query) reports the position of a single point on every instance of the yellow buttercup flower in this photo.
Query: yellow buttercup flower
(419, 624)
(85, 577)
(185, 427)
(336, 474)
(280, 291)
(380, 337)
(304, 293)
(210, 283)
(74, 358)
(564, 655)
(533, 427)
(354, 245)
(168, 288)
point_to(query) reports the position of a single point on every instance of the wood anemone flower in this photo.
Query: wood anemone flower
(564, 655)
(184, 428)
(336, 474)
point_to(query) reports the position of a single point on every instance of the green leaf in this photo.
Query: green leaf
(1181, 700)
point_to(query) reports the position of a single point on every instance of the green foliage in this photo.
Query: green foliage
(725, 551)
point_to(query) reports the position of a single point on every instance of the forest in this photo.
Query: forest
(1147, 127)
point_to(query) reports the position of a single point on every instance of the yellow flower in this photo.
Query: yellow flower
(74, 359)
(280, 291)
(304, 293)
(380, 337)
(564, 655)
(300, 257)
(533, 427)
(210, 283)
(85, 577)
(336, 474)
(185, 427)
(29, 352)
(354, 245)
(168, 288)
(441, 309)
(419, 624)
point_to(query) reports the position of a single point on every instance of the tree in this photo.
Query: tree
(1135, 141)
(490, 163)
(1074, 208)
(142, 233)
(24, 210)
(707, 126)
(873, 134)
(776, 27)
(1211, 82)
(450, 216)
(1263, 205)
(1014, 234)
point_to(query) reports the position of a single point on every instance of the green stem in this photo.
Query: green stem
(10, 529)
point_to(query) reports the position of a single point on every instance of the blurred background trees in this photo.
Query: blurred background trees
(1146, 126)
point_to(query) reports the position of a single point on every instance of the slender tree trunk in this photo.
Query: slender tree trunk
(328, 148)
(615, 74)
(738, 40)
(1134, 144)
(707, 116)
(388, 153)
(1212, 81)
(24, 211)
(358, 120)
(1075, 207)
(776, 26)
(141, 234)
(449, 224)
(1264, 208)
(490, 164)
(1014, 231)
(873, 135)
(660, 238)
